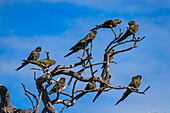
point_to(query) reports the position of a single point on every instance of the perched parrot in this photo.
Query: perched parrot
(136, 81)
(34, 55)
(90, 86)
(108, 24)
(82, 43)
(133, 26)
(58, 86)
(102, 86)
(45, 63)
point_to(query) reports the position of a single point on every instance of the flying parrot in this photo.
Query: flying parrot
(90, 86)
(133, 26)
(136, 81)
(34, 55)
(102, 86)
(58, 86)
(82, 43)
(107, 24)
(45, 63)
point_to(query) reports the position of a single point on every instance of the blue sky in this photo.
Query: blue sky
(56, 25)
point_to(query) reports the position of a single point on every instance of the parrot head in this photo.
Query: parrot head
(132, 23)
(53, 62)
(111, 50)
(118, 21)
(62, 80)
(139, 76)
(38, 49)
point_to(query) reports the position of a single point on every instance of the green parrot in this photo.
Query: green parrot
(45, 63)
(82, 43)
(133, 26)
(102, 86)
(108, 24)
(136, 81)
(34, 55)
(90, 86)
(58, 86)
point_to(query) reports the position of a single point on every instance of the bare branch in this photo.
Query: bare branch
(91, 48)
(90, 63)
(114, 32)
(98, 89)
(45, 98)
(89, 66)
(36, 69)
(70, 66)
(114, 38)
(38, 103)
(146, 89)
(73, 94)
(26, 91)
(143, 92)
(47, 53)
(68, 84)
(35, 78)
(62, 109)
(107, 66)
(133, 46)
(65, 103)
(66, 94)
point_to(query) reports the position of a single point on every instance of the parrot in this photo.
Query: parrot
(58, 86)
(90, 86)
(34, 55)
(102, 86)
(82, 43)
(45, 63)
(108, 24)
(136, 81)
(133, 26)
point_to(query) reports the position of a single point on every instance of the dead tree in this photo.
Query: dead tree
(85, 64)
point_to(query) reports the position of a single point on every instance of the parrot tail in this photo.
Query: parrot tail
(96, 28)
(70, 53)
(23, 64)
(121, 39)
(128, 91)
(128, 33)
(99, 92)
(80, 95)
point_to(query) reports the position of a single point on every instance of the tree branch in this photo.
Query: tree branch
(26, 91)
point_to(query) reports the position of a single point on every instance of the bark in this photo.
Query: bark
(5, 104)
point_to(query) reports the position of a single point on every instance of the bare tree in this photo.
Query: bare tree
(85, 64)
